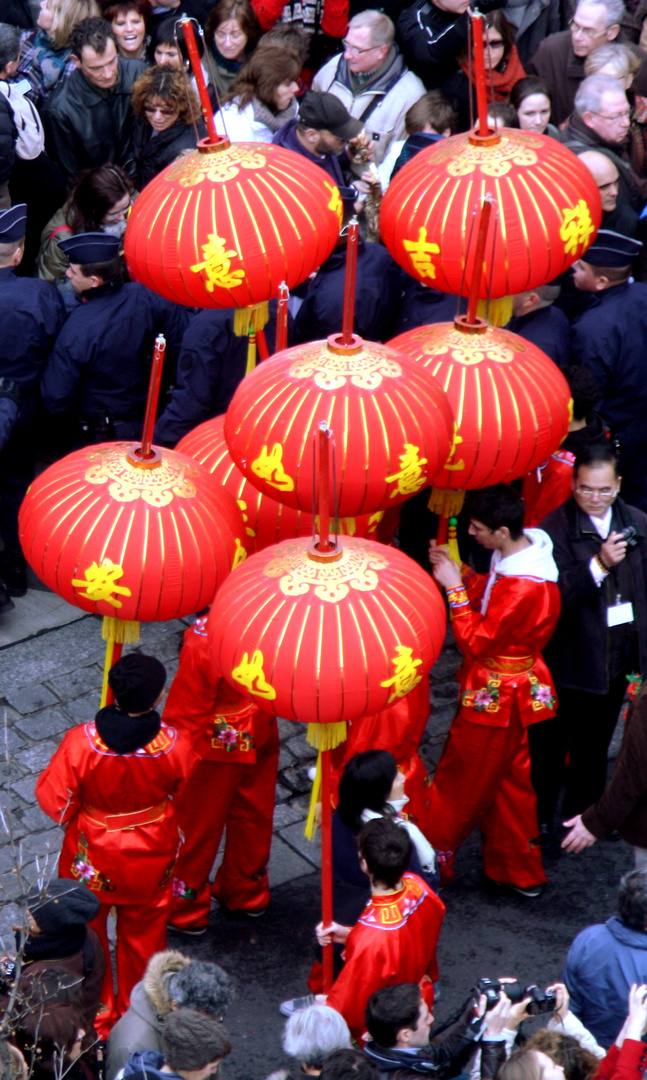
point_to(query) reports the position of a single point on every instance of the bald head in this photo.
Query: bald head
(605, 175)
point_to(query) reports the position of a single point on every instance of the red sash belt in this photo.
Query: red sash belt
(131, 820)
(509, 665)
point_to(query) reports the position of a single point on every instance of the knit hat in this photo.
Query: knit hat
(137, 681)
(61, 904)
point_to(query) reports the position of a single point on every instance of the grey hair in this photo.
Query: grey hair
(313, 1033)
(380, 25)
(624, 60)
(9, 44)
(203, 986)
(590, 91)
(615, 9)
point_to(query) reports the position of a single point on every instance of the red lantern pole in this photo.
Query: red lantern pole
(196, 67)
(153, 396)
(326, 866)
(324, 488)
(282, 318)
(477, 272)
(479, 73)
(349, 288)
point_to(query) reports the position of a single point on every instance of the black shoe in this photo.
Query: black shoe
(13, 571)
(6, 603)
(531, 892)
(546, 837)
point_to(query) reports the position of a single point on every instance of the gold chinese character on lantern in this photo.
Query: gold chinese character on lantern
(577, 227)
(217, 265)
(453, 466)
(269, 466)
(100, 582)
(243, 509)
(420, 253)
(335, 204)
(410, 478)
(405, 675)
(240, 555)
(250, 674)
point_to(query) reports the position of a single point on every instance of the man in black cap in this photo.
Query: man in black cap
(609, 339)
(320, 132)
(100, 364)
(31, 315)
(110, 782)
(377, 290)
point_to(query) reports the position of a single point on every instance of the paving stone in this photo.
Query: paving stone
(9, 738)
(25, 788)
(301, 748)
(285, 759)
(444, 692)
(43, 843)
(7, 859)
(288, 728)
(37, 757)
(83, 708)
(296, 779)
(78, 682)
(51, 722)
(307, 849)
(287, 815)
(11, 888)
(285, 864)
(51, 654)
(283, 793)
(446, 665)
(31, 698)
(10, 915)
(34, 819)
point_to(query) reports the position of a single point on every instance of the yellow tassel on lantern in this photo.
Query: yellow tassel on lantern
(251, 318)
(311, 824)
(326, 736)
(497, 312)
(115, 632)
(445, 503)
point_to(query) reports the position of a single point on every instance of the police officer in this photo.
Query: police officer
(535, 318)
(31, 315)
(99, 367)
(608, 339)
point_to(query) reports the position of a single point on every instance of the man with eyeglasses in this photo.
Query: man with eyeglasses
(559, 60)
(601, 636)
(601, 121)
(372, 80)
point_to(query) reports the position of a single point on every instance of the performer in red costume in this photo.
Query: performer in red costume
(398, 729)
(233, 784)
(110, 781)
(396, 936)
(501, 622)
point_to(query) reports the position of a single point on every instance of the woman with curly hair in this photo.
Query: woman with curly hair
(262, 98)
(231, 32)
(165, 111)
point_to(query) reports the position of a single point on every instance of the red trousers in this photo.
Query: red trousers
(141, 931)
(483, 778)
(240, 797)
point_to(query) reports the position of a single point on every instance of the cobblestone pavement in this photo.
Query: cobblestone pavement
(51, 681)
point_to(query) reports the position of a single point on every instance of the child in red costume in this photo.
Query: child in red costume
(233, 784)
(396, 936)
(501, 621)
(110, 781)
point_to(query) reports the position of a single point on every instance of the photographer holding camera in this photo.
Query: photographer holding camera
(600, 547)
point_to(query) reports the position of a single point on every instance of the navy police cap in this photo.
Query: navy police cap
(13, 224)
(612, 249)
(90, 247)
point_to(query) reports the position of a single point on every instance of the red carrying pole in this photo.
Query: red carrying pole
(349, 287)
(479, 73)
(324, 487)
(477, 269)
(326, 865)
(153, 396)
(282, 318)
(196, 68)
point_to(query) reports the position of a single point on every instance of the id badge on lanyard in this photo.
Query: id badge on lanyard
(620, 613)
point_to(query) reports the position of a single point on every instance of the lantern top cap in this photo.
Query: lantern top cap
(477, 325)
(336, 344)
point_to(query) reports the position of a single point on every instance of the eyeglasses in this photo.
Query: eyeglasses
(602, 493)
(160, 110)
(358, 52)
(586, 31)
(624, 115)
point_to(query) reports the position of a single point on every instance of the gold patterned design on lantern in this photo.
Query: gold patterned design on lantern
(330, 370)
(100, 582)
(335, 204)
(250, 674)
(405, 675)
(219, 168)
(156, 487)
(410, 477)
(268, 466)
(217, 265)
(450, 464)
(462, 348)
(576, 228)
(331, 581)
(420, 253)
(240, 554)
(495, 160)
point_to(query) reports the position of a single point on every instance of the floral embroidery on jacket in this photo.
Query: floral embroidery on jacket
(84, 871)
(484, 700)
(541, 694)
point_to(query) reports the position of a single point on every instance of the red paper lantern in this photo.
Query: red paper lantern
(512, 404)
(392, 422)
(130, 541)
(224, 225)
(547, 207)
(266, 520)
(327, 641)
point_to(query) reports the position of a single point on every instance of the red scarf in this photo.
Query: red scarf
(503, 76)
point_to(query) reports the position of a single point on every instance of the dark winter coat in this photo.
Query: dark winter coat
(549, 330)
(431, 40)
(623, 806)
(153, 151)
(8, 136)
